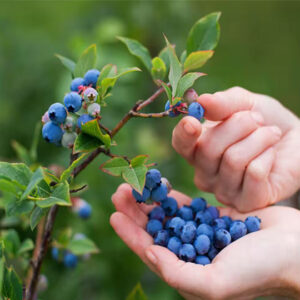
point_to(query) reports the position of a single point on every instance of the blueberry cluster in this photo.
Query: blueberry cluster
(191, 107)
(82, 208)
(61, 122)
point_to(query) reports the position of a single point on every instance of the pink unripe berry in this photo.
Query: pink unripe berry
(190, 96)
(165, 181)
(45, 118)
(94, 109)
(90, 95)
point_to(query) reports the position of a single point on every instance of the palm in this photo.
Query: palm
(245, 269)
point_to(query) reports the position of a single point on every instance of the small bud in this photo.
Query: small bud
(94, 109)
(42, 283)
(190, 96)
(90, 95)
(45, 118)
(68, 139)
(167, 183)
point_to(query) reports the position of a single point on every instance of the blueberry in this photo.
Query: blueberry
(170, 206)
(153, 178)
(141, 198)
(167, 223)
(161, 238)
(227, 220)
(84, 119)
(76, 83)
(175, 226)
(188, 233)
(196, 110)
(205, 229)
(68, 139)
(153, 226)
(191, 222)
(202, 260)
(94, 109)
(237, 230)
(202, 244)
(203, 217)
(198, 204)
(159, 193)
(172, 113)
(55, 253)
(187, 253)
(253, 224)
(219, 223)
(90, 95)
(91, 77)
(222, 238)
(57, 113)
(212, 253)
(52, 133)
(85, 210)
(214, 212)
(165, 181)
(73, 102)
(157, 213)
(185, 212)
(70, 260)
(174, 244)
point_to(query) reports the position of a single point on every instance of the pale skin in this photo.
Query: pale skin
(247, 153)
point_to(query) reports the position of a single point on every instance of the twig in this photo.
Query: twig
(150, 115)
(105, 128)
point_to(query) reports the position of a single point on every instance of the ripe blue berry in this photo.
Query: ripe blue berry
(187, 252)
(203, 217)
(175, 226)
(161, 238)
(227, 220)
(70, 260)
(214, 212)
(52, 132)
(198, 204)
(91, 77)
(159, 193)
(85, 210)
(212, 253)
(73, 102)
(170, 206)
(191, 222)
(174, 244)
(84, 119)
(141, 198)
(205, 229)
(237, 230)
(90, 95)
(157, 213)
(219, 223)
(196, 110)
(68, 139)
(55, 253)
(153, 178)
(202, 244)
(172, 113)
(202, 260)
(94, 109)
(153, 226)
(188, 233)
(57, 113)
(222, 238)
(76, 83)
(253, 224)
(185, 212)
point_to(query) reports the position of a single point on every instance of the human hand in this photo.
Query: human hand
(246, 153)
(265, 262)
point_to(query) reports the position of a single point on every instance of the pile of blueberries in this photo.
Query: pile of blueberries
(196, 232)
(80, 106)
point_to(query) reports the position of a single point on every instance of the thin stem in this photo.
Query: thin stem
(79, 189)
(150, 115)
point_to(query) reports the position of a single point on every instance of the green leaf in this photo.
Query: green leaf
(68, 172)
(68, 63)
(86, 143)
(16, 208)
(109, 70)
(16, 172)
(36, 216)
(82, 246)
(26, 246)
(175, 68)
(2, 265)
(35, 142)
(8, 186)
(159, 69)
(136, 177)
(167, 90)
(138, 50)
(175, 100)
(22, 153)
(16, 290)
(36, 178)
(114, 166)
(205, 34)
(183, 57)
(11, 241)
(197, 59)
(163, 54)
(59, 196)
(86, 61)
(186, 82)
(92, 128)
(137, 293)
(139, 160)
(6, 287)
(49, 176)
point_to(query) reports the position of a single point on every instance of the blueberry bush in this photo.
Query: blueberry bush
(32, 194)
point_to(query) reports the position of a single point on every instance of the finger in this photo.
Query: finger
(237, 157)
(221, 105)
(185, 136)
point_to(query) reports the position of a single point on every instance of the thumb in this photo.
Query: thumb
(222, 105)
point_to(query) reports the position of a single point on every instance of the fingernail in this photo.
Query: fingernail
(276, 130)
(257, 117)
(189, 128)
(150, 255)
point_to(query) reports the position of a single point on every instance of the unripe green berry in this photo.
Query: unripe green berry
(68, 139)
(94, 109)
(69, 124)
(90, 95)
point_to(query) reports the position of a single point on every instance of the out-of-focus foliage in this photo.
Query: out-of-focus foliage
(258, 49)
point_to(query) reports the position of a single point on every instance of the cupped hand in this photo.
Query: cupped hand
(246, 153)
(261, 263)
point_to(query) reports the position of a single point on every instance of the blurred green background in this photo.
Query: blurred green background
(259, 50)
